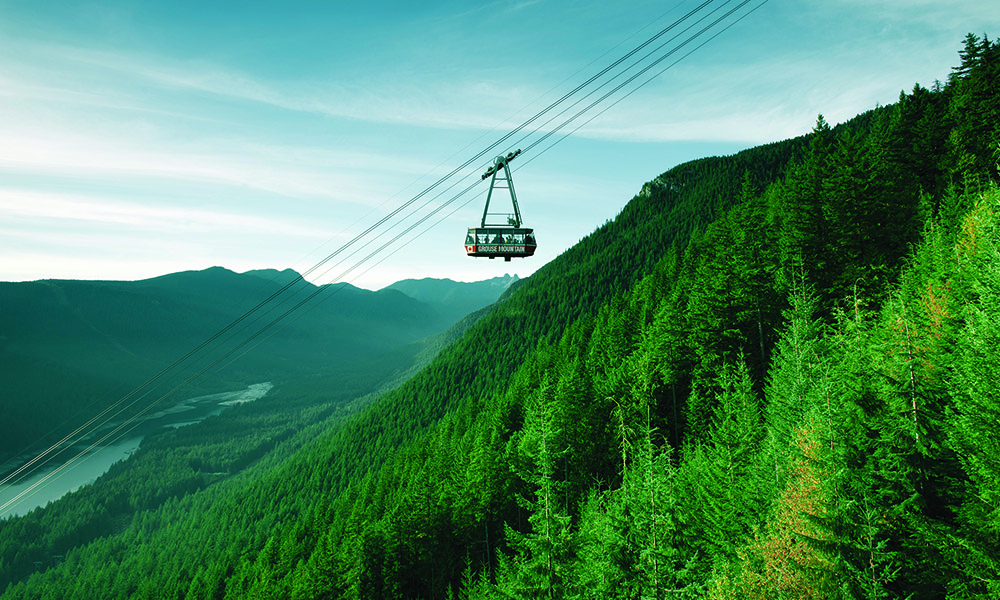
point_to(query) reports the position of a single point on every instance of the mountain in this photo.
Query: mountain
(773, 375)
(455, 298)
(283, 277)
(72, 347)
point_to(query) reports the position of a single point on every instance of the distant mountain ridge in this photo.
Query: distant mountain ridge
(66, 345)
(457, 297)
(282, 277)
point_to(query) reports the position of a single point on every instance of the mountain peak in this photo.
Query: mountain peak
(281, 277)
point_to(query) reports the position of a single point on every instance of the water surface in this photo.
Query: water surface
(55, 479)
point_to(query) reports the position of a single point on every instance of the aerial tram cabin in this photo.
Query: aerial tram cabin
(506, 239)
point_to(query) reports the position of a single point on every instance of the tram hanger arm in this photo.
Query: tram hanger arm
(499, 162)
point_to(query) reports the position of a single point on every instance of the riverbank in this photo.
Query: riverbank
(56, 478)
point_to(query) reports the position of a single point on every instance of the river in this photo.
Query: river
(96, 462)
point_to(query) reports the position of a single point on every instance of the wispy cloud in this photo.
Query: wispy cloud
(50, 208)
(121, 80)
(66, 154)
(941, 18)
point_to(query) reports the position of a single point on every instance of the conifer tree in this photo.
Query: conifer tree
(867, 487)
(796, 379)
(650, 491)
(755, 251)
(541, 562)
(736, 439)
(805, 234)
(721, 505)
(975, 112)
(664, 359)
(978, 403)
(788, 558)
(603, 568)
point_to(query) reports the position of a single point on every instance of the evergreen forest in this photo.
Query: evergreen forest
(775, 374)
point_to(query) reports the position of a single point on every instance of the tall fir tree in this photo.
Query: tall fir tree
(796, 379)
(540, 567)
(978, 404)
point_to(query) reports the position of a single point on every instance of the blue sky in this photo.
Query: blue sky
(147, 137)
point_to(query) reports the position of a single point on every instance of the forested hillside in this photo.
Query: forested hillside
(774, 375)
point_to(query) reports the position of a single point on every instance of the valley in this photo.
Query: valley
(94, 454)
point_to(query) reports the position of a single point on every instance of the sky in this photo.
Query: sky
(145, 137)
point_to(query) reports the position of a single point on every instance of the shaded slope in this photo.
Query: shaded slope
(72, 346)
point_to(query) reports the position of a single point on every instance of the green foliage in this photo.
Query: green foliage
(977, 403)
(975, 111)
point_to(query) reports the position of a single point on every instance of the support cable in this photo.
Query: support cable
(131, 422)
